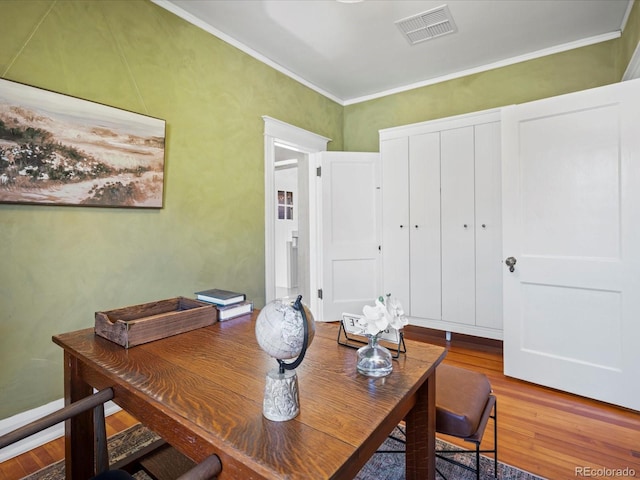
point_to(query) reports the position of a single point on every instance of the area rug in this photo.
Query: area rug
(382, 466)
(120, 446)
(391, 466)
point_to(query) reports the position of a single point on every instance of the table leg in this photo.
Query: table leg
(79, 434)
(421, 433)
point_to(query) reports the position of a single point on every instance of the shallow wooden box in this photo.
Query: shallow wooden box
(130, 326)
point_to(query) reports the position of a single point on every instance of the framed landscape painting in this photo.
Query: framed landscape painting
(60, 150)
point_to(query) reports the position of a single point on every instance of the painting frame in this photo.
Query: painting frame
(56, 149)
(285, 204)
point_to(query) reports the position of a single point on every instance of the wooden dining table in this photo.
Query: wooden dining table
(202, 391)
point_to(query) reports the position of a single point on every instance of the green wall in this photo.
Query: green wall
(579, 69)
(565, 72)
(630, 38)
(61, 264)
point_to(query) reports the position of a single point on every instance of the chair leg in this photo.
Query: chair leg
(495, 440)
(477, 450)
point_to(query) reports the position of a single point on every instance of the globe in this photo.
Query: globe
(280, 328)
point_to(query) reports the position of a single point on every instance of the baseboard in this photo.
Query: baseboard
(438, 337)
(9, 424)
(458, 328)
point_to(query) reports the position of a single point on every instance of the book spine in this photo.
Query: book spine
(229, 313)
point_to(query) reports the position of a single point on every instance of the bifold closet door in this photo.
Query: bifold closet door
(395, 218)
(488, 204)
(424, 213)
(458, 224)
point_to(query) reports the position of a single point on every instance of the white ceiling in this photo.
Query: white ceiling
(354, 51)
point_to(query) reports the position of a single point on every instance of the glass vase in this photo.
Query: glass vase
(374, 360)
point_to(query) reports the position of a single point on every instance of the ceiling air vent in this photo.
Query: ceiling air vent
(427, 25)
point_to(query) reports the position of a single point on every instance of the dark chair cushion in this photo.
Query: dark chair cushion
(461, 397)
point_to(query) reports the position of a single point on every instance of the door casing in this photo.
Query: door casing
(281, 133)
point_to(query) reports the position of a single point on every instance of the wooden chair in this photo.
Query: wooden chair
(208, 469)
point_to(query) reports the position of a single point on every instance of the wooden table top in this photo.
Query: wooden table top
(203, 390)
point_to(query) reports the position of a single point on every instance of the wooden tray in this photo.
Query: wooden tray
(130, 326)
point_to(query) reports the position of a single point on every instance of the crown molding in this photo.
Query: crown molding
(491, 66)
(345, 102)
(241, 46)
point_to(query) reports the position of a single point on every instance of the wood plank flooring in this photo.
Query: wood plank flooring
(543, 431)
(33, 460)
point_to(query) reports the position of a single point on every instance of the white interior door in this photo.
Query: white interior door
(351, 259)
(571, 196)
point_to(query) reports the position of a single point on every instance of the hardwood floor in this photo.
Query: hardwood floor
(33, 460)
(543, 431)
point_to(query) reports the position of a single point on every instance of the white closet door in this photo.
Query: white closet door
(488, 226)
(395, 218)
(571, 192)
(424, 204)
(458, 238)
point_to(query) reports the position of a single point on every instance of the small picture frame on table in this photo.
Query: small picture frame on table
(350, 335)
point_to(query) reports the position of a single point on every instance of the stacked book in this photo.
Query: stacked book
(229, 304)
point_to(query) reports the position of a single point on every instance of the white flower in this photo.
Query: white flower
(380, 316)
(398, 319)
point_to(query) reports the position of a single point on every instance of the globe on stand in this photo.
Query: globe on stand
(284, 329)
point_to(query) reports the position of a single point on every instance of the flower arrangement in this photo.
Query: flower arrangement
(385, 313)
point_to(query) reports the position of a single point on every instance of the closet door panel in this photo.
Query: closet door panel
(424, 213)
(395, 218)
(458, 237)
(488, 226)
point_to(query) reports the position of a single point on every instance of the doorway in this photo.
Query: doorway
(291, 223)
(289, 243)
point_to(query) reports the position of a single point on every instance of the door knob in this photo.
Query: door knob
(511, 262)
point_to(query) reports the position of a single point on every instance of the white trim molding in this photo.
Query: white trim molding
(293, 136)
(490, 66)
(167, 5)
(277, 132)
(633, 69)
(11, 423)
(438, 124)
(627, 13)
